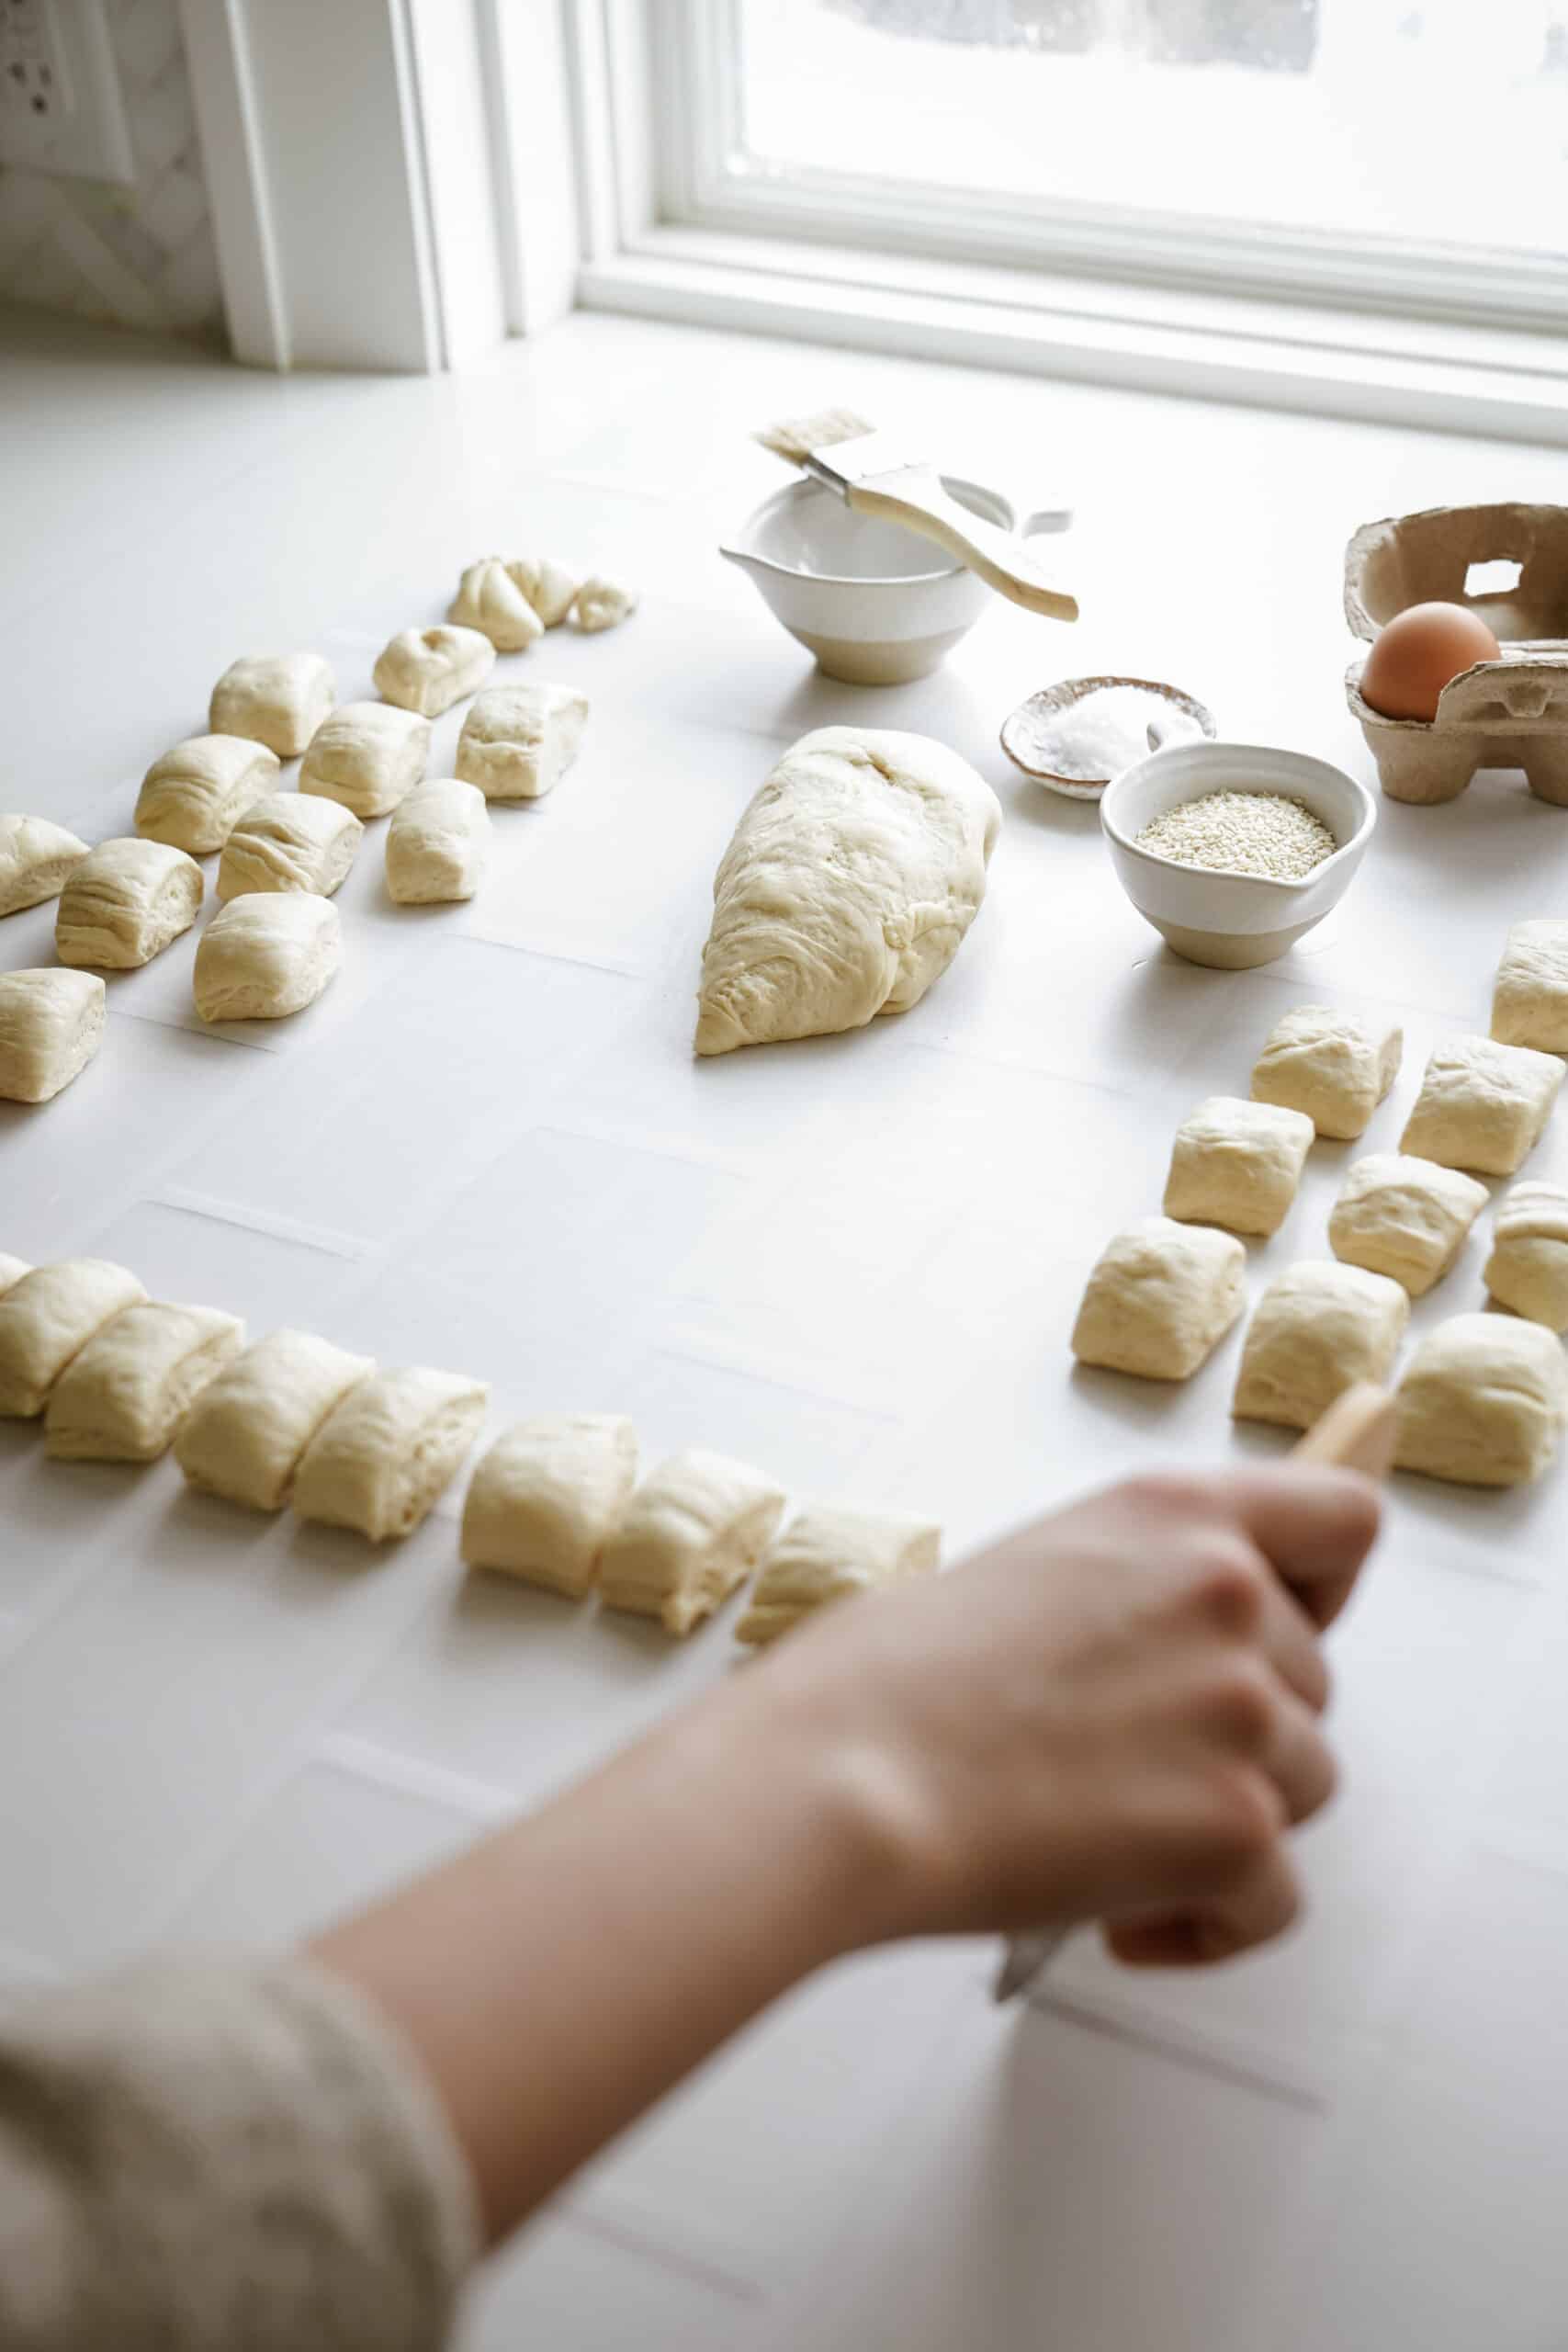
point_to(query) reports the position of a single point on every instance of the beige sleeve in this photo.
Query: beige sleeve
(200, 2154)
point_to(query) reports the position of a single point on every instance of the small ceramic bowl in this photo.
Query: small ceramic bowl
(1026, 730)
(875, 604)
(1232, 920)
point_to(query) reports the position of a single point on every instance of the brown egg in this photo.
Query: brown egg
(1418, 652)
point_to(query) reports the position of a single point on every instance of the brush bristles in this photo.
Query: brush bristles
(795, 437)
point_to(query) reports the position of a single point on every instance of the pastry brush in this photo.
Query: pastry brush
(873, 474)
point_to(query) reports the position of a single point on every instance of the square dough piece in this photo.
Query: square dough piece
(548, 1496)
(368, 756)
(438, 843)
(602, 604)
(46, 1317)
(1405, 1217)
(125, 902)
(52, 1023)
(1160, 1299)
(1482, 1105)
(1329, 1065)
(1238, 1164)
(518, 742)
(383, 1455)
(691, 1533)
(428, 670)
(35, 859)
(549, 589)
(193, 797)
(492, 601)
(1529, 1001)
(1527, 1270)
(826, 1555)
(11, 1271)
(1318, 1329)
(290, 841)
(279, 699)
(244, 1435)
(124, 1396)
(266, 955)
(1484, 1402)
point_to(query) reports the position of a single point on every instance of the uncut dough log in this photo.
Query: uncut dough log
(46, 1317)
(518, 742)
(1529, 1000)
(368, 756)
(437, 843)
(1482, 1106)
(52, 1023)
(247, 1432)
(36, 857)
(826, 1555)
(279, 699)
(384, 1455)
(266, 955)
(847, 889)
(1527, 1270)
(492, 601)
(1160, 1299)
(548, 1496)
(692, 1532)
(125, 902)
(1331, 1065)
(124, 1395)
(290, 841)
(196, 794)
(11, 1271)
(1238, 1164)
(1484, 1402)
(1405, 1217)
(428, 670)
(1318, 1329)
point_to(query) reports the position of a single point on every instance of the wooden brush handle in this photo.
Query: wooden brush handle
(914, 497)
(1356, 1433)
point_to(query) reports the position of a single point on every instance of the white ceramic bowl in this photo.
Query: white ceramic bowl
(875, 604)
(1232, 920)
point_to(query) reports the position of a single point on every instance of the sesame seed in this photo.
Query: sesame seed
(1242, 832)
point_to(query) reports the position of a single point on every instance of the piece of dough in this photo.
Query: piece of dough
(1160, 1299)
(384, 1455)
(548, 1496)
(437, 843)
(124, 1395)
(267, 953)
(36, 857)
(11, 1271)
(125, 902)
(194, 796)
(1238, 1164)
(279, 699)
(428, 670)
(290, 841)
(550, 591)
(691, 1533)
(1529, 1001)
(52, 1023)
(518, 742)
(1331, 1065)
(602, 603)
(367, 755)
(46, 1317)
(492, 601)
(246, 1434)
(1482, 1105)
(1527, 1270)
(1405, 1217)
(826, 1555)
(847, 889)
(1484, 1402)
(1318, 1329)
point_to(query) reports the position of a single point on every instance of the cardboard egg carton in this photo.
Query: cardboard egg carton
(1512, 713)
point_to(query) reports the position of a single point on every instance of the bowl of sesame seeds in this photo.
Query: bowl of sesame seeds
(1234, 851)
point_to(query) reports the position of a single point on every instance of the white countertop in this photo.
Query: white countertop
(854, 1260)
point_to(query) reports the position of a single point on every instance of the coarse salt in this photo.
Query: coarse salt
(1242, 832)
(1102, 733)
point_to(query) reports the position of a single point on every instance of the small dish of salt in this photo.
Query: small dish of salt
(1075, 738)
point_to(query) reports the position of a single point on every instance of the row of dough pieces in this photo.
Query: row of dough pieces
(118, 1377)
(1485, 1398)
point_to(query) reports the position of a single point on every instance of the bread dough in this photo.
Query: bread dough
(1527, 1270)
(602, 604)
(125, 902)
(1238, 1164)
(245, 1433)
(193, 797)
(518, 742)
(52, 1023)
(11, 1271)
(1160, 1299)
(546, 1497)
(383, 1455)
(847, 889)
(826, 1555)
(1405, 1217)
(279, 699)
(1530, 1002)
(437, 843)
(366, 756)
(492, 601)
(122, 1397)
(290, 841)
(35, 858)
(550, 591)
(691, 1533)
(266, 955)
(46, 1317)
(1484, 1402)
(1318, 1329)
(428, 670)
(1333, 1066)
(1482, 1106)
